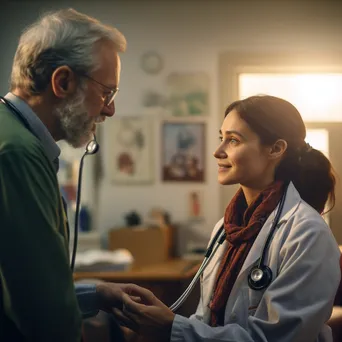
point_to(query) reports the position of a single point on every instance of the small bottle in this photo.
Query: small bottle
(85, 219)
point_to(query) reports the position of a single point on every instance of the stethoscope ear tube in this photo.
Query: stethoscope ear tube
(91, 148)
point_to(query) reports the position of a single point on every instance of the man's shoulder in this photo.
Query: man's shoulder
(14, 136)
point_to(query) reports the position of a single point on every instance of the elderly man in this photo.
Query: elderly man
(64, 79)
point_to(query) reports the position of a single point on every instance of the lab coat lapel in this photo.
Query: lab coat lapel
(291, 203)
(208, 281)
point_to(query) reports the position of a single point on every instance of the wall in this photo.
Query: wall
(189, 35)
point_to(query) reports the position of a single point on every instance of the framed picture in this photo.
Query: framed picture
(188, 93)
(183, 152)
(131, 150)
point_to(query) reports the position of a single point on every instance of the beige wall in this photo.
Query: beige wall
(190, 35)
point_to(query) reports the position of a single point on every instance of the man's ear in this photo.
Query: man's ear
(63, 82)
(278, 149)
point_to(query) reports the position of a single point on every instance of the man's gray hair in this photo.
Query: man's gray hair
(65, 37)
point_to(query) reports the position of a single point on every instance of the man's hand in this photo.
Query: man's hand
(110, 295)
(145, 314)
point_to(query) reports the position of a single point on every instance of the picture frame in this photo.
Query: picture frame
(183, 152)
(188, 94)
(131, 151)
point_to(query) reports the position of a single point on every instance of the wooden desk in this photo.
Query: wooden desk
(166, 280)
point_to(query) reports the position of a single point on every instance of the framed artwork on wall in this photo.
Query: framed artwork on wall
(183, 151)
(131, 151)
(188, 93)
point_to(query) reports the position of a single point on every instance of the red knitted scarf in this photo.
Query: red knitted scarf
(242, 225)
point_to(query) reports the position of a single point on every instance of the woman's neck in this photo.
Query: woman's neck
(251, 193)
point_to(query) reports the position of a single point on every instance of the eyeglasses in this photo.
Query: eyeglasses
(107, 98)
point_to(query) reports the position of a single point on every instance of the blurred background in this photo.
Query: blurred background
(186, 61)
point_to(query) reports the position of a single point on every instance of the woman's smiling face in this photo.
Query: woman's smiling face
(240, 156)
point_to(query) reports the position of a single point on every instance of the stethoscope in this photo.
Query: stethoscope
(91, 148)
(259, 277)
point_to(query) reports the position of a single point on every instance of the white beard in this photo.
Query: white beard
(75, 124)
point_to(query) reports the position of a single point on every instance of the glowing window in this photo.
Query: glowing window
(316, 96)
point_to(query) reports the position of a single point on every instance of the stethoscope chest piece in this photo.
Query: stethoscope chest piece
(259, 277)
(92, 147)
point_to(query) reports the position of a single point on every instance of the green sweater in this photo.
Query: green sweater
(38, 301)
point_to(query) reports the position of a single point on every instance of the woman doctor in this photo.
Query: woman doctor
(262, 148)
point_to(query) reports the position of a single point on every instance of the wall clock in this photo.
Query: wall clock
(151, 62)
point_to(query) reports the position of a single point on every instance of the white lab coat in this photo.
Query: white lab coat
(304, 259)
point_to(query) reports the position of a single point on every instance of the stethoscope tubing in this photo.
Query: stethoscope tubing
(216, 242)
